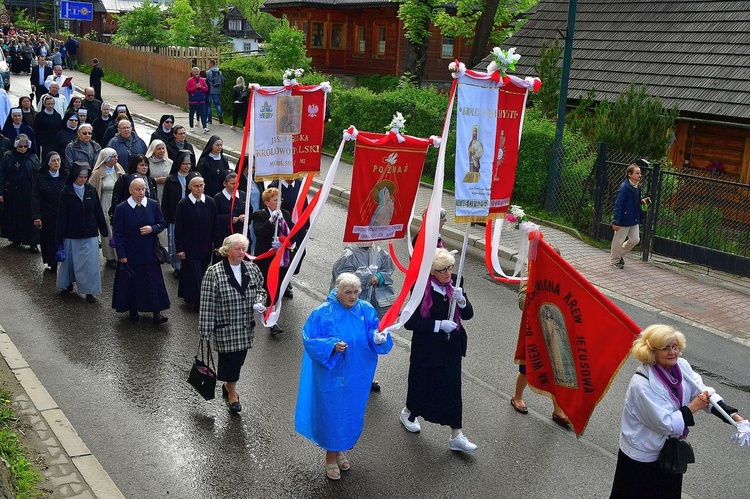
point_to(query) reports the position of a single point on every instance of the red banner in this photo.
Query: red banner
(385, 178)
(510, 106)
(572, 338)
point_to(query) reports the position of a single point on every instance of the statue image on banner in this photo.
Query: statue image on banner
(558, 345)
(289, 115)
(382, 194)
(500, 156)
(475, 152)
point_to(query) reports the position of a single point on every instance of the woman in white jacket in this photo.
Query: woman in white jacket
(659, 403)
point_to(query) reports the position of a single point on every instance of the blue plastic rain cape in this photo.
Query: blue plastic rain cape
(334, 386)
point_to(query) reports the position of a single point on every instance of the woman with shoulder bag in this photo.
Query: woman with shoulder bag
(659, 405)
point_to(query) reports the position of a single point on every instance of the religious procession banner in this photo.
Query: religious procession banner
(573, 340)
(286, 130)
(489, 118)
(385, 178)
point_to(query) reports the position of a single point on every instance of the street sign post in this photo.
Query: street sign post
(78, 11)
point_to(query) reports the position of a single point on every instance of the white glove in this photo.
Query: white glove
(458, 294)
(277, 214)
(276, 244)
(259, 307)
(742, 437)
(448, 326)
(379, 337)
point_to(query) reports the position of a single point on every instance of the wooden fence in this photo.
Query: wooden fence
(162, 74)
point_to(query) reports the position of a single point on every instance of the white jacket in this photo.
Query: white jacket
(650, 415)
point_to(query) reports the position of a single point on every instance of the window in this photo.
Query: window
(318, 35)
(302, 26)
(360, 46)
(380, 40)
(235, 25)
(337, 36)
(447, 52)
(247, 47)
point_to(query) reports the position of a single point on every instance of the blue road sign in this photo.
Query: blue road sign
(78, 11)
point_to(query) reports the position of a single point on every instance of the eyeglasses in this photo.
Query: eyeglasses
(85, 133)
(445, 270)
(671, 348)
(72, 119)
(24, 146)
(169, 122)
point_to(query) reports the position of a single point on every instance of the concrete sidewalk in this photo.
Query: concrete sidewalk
(694, 294)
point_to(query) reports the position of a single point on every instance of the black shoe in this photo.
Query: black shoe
(15, 243)
(275, 329)
(53, 268)
(90, 298)
(289, 293)
(33, 249)
(176, 273)
(375, 387)
(221, 121)
(159, 319)
(111, 264)
(235, 407)
(133, 316)
(67, 290)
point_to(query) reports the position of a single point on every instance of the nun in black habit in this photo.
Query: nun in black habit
(45, 201)
(139, 284)
(196, 236)
(17, 171)
(231, 221)
(213, 165)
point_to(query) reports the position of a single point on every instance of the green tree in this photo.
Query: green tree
(144, 25)
(549, 70)
(417, 15)
(182, 28)
(286, 48)
(21, 19)
(208, 22)
(635, 122)
(262, 22)
(484, 22)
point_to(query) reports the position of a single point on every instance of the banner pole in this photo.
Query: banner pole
(460, 269)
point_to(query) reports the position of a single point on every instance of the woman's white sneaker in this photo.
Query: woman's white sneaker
(462, 444)
(411, 426)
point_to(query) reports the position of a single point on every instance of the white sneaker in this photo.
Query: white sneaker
(192, 129)
(461, 443)
(206, 130)
(412, 427)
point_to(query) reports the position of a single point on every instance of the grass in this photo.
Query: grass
(120, 81)
(25, 476)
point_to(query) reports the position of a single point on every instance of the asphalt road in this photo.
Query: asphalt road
(123, 388)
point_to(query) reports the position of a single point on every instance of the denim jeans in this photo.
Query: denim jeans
(200, 111)
(213, 98)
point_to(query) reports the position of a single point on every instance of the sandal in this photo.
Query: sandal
(519, 408)
(343, 461)
(561, 420)
(332, 471)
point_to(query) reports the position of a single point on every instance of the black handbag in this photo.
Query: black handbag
(203, 373)
(161, 255)
(676, 455)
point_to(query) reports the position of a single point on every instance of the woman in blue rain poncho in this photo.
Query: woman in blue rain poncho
(342, 344)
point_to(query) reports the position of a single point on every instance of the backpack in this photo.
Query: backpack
(217, 79)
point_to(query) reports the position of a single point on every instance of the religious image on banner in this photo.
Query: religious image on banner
(385, 179)
(286, 130)
(572, 339)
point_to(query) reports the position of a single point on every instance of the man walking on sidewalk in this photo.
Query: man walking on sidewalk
(195, 87)
(215, 80)
(627, 216)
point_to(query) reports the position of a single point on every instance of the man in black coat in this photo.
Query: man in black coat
(38, 76)
(95, 79)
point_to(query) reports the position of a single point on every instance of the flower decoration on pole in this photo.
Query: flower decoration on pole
(516, 216)
(397, 126)
(292, 75)
(503, 60)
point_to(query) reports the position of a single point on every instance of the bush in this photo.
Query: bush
(377, 83)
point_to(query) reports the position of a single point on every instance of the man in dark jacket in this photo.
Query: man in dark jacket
(39, 75)
(627, 216)
(95, 79)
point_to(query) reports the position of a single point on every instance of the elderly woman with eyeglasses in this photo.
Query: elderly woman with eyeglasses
(659, 404)
(84, 148)
(438, 345)
(342, 344)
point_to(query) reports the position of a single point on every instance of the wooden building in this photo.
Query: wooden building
(364, 37)
(692, 53)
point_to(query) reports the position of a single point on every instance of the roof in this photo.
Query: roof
(270, 4)
(695, 54)
(116, 6)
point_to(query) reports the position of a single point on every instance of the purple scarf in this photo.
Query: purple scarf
(672, 380)
(424, 309)
(286, 258)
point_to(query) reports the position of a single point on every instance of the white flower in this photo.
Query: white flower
(398, 122)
